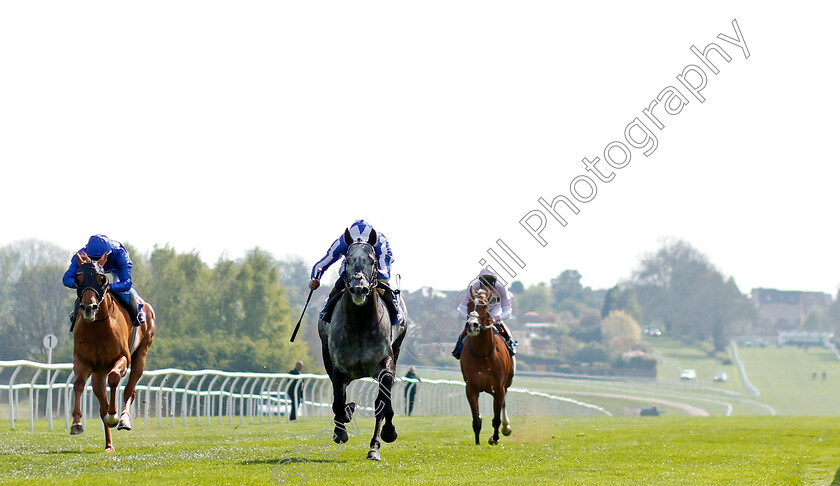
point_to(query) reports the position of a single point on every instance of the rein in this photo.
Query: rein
(484, 327)
(89, 272)
(371, 278)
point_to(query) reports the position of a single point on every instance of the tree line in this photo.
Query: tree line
(676, 289)
(238, 314)
(235, 315)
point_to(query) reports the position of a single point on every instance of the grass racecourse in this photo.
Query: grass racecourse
(431, 450)
(788, 435)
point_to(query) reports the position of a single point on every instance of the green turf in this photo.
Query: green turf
(435, 450)
(784, 378)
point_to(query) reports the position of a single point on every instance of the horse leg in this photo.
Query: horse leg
(498, 405)
(505, 420)
(101, 391)
(472, 398)
(114, 377)
(384, 409)
(386, 382)
(343, 412)
(138, 365)
(82, 372)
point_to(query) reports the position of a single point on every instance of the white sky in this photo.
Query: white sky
(221, 126)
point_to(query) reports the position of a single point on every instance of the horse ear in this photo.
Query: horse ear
(104, 259)
(81, 257)
(347, 238)
(373, 237)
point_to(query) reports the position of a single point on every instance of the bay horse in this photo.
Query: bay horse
(105, 344)
(486, 365)
(359, 341)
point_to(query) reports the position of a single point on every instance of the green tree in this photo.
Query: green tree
(40, 307)
(593, 353)
(832, 317)
(815, 320)
(619, 324)
(622, 298)
(678, 287)
(294, 274)
(588, 329)
(266, 310)
(516, 287)
(33, 300)
(536, 298)
(567, 286)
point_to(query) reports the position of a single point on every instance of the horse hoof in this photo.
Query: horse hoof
(493, 440)
(340, 435)
(110, 420)
(77, 429)
(124, 424)
(389, 433)
(374, 456)
(109, 448)
(506, 431)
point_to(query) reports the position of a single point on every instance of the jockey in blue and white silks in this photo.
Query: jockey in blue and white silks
(499, 310)
(360, 229)
(118, 265)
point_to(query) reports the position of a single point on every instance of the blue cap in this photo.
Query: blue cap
(97, 246)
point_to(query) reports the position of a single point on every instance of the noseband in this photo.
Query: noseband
(351, 274)
(90, 271)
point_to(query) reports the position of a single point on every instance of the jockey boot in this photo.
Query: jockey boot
(459, 346)
(505, 333)
(135, 310)
(392, 300)
(73, 314)
(511, 345)
(332, 299)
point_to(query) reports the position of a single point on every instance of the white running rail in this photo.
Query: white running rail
(35, 391)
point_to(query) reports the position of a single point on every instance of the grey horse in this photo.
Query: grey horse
(360, 342)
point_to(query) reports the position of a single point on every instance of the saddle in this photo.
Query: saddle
(381, 288)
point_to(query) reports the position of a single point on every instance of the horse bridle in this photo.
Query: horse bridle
(90, 280)
(371, 278)
(483, 325)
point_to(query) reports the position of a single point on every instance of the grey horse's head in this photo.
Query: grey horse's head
(360, 268)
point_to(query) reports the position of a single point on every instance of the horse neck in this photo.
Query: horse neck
(483, 315)
(364, 313)
(106, 307)
(483, 343)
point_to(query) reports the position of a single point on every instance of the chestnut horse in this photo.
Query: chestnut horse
(486, 365)
(106, 344)
(359, 341)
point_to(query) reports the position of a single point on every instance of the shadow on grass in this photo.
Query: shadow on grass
(50, 453)
(836, 481)
(287, 460)
(68, 451)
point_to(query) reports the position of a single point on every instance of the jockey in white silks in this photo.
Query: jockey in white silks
(500, 309)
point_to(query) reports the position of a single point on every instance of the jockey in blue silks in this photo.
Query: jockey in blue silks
(119, 266)
(384, 257)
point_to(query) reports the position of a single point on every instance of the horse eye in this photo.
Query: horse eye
(79, 278)
(101, 279)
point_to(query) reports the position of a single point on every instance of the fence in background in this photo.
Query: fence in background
(31, 391)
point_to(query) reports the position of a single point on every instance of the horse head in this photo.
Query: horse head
(91, 284)
(360, 268)
(479, 318)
